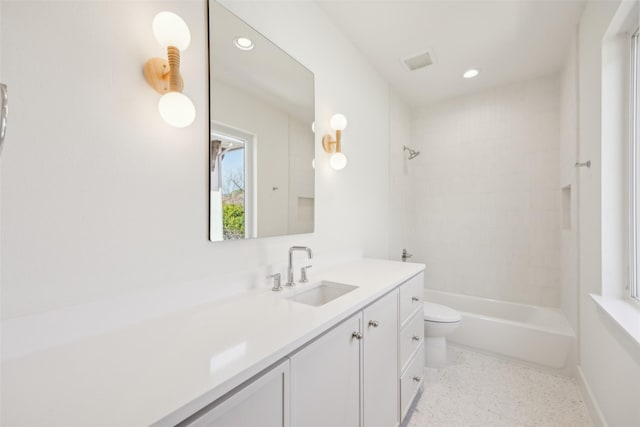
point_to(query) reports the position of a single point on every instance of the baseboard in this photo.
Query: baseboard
(592, 405)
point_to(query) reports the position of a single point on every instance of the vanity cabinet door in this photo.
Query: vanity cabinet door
(380, 362)
(263, 402)
(325, 379)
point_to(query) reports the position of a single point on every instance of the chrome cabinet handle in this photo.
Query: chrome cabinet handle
(374, 323)
(417, 379)
(356, 335)
(415, 338)
(415, 299)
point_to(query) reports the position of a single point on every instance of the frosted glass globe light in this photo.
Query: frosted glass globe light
(177, 109)
(338, 161)
(338, 122)
(171, 30)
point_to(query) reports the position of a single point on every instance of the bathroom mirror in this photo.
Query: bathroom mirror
(261, 144)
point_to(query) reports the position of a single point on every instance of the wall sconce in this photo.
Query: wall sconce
(164, 75)
(337, 160)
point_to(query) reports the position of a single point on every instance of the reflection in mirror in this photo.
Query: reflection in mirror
(261, 140)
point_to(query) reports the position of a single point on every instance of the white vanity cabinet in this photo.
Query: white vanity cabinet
(325, 379)
(263, 402)
(380, 362)
(276, 362)
(362, 372)
(411, 341)
(360, 354)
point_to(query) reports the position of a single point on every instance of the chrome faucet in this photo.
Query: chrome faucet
(292, 249)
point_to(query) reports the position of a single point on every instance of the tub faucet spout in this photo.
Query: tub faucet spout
(292, 249)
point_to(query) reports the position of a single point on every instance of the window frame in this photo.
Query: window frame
(634, 166)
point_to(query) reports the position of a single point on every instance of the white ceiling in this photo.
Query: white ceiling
(508, 40)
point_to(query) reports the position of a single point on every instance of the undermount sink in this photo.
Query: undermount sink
(322, 293)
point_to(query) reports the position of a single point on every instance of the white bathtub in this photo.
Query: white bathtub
(534, 334)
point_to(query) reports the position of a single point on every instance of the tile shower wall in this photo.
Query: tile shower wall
(488, 193)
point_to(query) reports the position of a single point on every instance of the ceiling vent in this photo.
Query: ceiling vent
(416, 62)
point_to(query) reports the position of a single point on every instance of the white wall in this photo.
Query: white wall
(101, 199)
(488, 199)
(401, 179)
(609, 361)
(568, 182)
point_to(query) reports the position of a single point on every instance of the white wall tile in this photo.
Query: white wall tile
(488, 195)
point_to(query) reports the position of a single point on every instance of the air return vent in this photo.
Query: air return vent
(416, 62)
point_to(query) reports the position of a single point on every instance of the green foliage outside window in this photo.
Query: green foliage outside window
(233, 221)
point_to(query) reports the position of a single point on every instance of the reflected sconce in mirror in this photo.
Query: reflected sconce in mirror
(337, 160)
(163, 75)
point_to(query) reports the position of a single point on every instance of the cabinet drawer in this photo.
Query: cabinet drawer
(411, 297)
(411, 337)
(411, 381)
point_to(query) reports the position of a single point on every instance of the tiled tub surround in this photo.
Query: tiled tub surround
(169, 367)
(534, 334)
(487, 193)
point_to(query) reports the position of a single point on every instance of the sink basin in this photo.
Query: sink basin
(321, 293)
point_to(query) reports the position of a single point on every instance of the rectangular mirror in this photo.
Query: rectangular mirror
(261, 144)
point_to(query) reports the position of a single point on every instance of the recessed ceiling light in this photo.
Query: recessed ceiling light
(243, 43)
(470, 73)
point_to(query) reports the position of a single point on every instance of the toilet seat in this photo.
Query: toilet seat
(439, 313)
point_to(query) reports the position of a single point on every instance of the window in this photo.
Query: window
(231, 210)
(634, 166)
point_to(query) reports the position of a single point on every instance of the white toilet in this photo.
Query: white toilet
(439, 321)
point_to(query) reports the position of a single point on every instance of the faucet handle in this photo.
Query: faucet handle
(303, 274)
(277, 286)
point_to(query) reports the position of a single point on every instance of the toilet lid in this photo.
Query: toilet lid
(439, 313)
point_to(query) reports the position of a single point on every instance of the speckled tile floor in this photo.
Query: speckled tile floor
(479, 390)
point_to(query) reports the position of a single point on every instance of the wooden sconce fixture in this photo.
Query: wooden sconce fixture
(164, 75)
(337, 160)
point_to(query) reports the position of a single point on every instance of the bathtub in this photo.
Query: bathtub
(534, 334)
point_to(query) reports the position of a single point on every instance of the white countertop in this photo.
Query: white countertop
(166, 368)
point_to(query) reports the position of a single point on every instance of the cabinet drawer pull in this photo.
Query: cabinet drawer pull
(415, 299)
(417, 379)
(356, 335)
(374, 323)
(415, 338)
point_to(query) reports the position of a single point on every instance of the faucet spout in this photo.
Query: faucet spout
(293, 249)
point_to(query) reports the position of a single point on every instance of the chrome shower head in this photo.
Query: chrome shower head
(412, 153)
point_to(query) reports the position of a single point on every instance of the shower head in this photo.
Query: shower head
(412, 153)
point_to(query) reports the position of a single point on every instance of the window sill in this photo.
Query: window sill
(624, 313)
